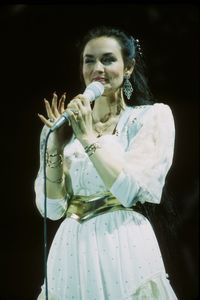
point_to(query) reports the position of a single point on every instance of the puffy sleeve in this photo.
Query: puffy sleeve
(148, 158)
(55, 207)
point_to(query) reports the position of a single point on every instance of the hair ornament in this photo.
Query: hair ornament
(138, 47)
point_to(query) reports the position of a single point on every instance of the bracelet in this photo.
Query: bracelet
(59, 180)
(51, 163)
(92, 148)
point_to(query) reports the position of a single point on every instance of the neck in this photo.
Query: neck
(107, 106)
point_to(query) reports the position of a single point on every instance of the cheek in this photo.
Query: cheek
(85, 73)
(118, 74)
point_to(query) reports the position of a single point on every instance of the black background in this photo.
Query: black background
(38, 57)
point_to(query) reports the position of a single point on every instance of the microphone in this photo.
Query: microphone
(92, 91)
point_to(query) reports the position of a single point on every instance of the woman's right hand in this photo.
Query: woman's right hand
(54, 111)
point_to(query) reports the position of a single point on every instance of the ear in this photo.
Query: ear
(129, 68)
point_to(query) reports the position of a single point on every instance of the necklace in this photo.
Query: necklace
(100, 127)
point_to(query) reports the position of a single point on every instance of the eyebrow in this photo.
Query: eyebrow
(105, 54)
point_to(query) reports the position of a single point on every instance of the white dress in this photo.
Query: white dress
(113, 256)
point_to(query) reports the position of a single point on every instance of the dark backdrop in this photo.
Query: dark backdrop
(38, 58)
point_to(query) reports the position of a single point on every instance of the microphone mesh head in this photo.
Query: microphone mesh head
(94, 90)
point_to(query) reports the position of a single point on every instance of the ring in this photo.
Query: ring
(51, 120)
(75, 112)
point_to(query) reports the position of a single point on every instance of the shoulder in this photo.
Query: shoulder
(161, 118)
(145, 114)
(155, 110)
(159, 114)
(162, 108)
(163, 113)
(154, 106)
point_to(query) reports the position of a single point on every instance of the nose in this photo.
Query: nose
(98, 67)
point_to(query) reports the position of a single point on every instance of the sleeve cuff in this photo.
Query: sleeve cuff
(55, 207)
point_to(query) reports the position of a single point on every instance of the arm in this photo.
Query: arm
(148, 159)
(138, 174)
(55, 207)
(57, 179)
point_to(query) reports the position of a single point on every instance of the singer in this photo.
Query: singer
(116, 160)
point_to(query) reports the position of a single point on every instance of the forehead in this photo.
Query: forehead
(101, 45)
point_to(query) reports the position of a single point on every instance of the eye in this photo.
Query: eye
(88, 60)
(108, 60)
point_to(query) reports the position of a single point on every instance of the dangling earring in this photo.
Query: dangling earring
(127, 87)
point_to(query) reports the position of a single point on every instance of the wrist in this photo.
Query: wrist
(86, 141)
(91, 148)
(55, 147)
(56, 143)
(54, 159)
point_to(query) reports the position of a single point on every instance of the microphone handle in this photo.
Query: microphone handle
(63, 118)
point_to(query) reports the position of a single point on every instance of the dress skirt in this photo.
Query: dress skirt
(113, 256)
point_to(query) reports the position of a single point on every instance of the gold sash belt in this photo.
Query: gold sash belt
(82, 208)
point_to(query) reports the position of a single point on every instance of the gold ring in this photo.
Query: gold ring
(76, 112)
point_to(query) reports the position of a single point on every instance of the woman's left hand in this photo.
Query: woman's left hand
(80, 114)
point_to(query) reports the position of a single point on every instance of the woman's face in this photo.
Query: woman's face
(103, 61)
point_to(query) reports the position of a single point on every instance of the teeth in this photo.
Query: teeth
(100, 79)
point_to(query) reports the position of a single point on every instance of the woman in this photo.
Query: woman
(117, 158)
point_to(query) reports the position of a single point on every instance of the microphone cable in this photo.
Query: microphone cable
(45, 219)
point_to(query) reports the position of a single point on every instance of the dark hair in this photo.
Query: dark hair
(130, 50)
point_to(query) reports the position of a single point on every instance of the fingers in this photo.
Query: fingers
(45, 121)
(61, 104)
(78, 108)
(49, 110)
(81, 104)
(54, 105)
(72, 116)
(55, 109)
(84, 101)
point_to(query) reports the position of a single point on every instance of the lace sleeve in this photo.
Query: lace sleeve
(55, 207)
(147, 159)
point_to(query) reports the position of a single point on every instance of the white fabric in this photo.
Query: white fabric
(113, 256)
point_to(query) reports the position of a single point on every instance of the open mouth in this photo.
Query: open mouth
(100, 79)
